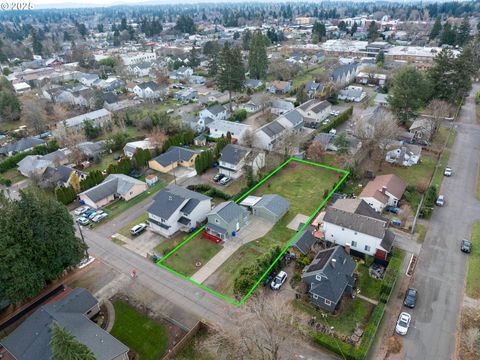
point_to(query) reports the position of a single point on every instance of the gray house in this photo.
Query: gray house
(21, 145)
(271, 207)
(72, 310)
(225, 220)
(329, 276)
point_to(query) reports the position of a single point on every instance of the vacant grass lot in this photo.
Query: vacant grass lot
(307, 75)
(140, 333)
(303, 185)
(473, 274)
(353, 313)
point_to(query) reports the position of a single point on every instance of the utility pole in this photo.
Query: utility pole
(83, 240)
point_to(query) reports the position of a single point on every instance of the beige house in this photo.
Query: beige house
(115, 186)
(175, 156)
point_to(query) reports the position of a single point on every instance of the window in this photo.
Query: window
(354, 244)
(328, 302)
(367, 248)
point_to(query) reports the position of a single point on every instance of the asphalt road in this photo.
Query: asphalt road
(440, 273)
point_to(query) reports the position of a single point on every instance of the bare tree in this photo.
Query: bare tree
(436, 112)
(315, 151)
(33, 111)
(248, 138)
(259, 331)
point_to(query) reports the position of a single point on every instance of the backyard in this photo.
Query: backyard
(307, 75)
(304, 186)
(143, 335)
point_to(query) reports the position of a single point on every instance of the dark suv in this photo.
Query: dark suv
(466, 246)
(410, 298)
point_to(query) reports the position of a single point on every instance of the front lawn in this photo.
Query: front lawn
(352, 313)
(473, 273)
(196, 251)
(140, 333)
(303, 185)
(125, 231)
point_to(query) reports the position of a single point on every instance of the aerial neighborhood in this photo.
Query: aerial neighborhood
(240, 180)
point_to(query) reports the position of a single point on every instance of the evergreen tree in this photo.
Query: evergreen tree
(231, 71)
(436, 29)
(257, 59)
(380, 58)
(246, 39)
(372, 32)
(193, 56)
(449, 35)
(463, 32)
(65, 346)
(354, 28)
(320, 30)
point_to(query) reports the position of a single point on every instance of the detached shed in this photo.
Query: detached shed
(271, 207)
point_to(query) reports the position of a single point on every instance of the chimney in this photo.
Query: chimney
(347, 248)
(334, 263)
(384, 189)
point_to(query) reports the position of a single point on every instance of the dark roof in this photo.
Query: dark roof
(216, 109)
(233, 154)
(102, 190)
(335, 267)
(342, 70)
(322, 105)
(387, 241)
(294, 117)
(110, 97)
(21, 145)
(174, 154)
(31, 340)
(357, 215)
(305, 240)
(169, 199)
(273, 128)
(149, 84)
(60, 173)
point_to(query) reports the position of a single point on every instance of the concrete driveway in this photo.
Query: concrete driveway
(440, 273)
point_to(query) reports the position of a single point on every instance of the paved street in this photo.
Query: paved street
(440, 273)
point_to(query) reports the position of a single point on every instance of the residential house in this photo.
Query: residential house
(88, 79)
(196, 79)
(279, 87)
(138, 57)
(404, 154)
(253, 84)
(252, 106)
(61, 175)
(186, 95)
(329, 276)
(200, 140)
(115, 186)
(72, 310)
(91, 150)
(344, 74)
(354, 224)
(422, 128)
(280, 106)
(182, 73)
(215, 112)
(139, 70)
(269, 135)
(352, 93)
(110, 84)
(315, 111)
(369, 78)
(131, 147)
(292, 120)
(238, 131)
(33, 166)
(233, 159)
(305, 241)
(313, 89)
(271, 207)
(225, 220)
(24, 144)
(175, 156)
(98, 118)
(384, 190)
(21, 87)
(177, 209)
(149, 90)
(328, 143)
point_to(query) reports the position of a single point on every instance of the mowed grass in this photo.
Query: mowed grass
(473, 274)
(353, 313)
(369, 287)
(140, 333)
(478, 183)
(307, 75)
(196, 251)
(303, 185)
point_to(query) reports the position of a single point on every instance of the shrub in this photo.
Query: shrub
(239, 115)
(340, 119)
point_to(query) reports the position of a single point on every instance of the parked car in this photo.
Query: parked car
(99, 217)
(403, 323)
(333, 132)
(410, 298)
(81, 210)
(83, 221)
(279, 280)
(466, 246)
(393, 209)
(335, 113)
(440, 200)
(88, 213)
(170, 111)
(218, 177)
(423, 142)
(95, 214)
(225, 180)
(137, 229)
(448, 171)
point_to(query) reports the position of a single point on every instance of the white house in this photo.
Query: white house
(384, 190)
(177, 209)
(148, 90)
(215, 112)
(352, 93)
(219, 128)
(138, 57)
(99, 118)
(353, 224)
(280, 106)
(21, 87)
(131, 147)
(315, 111)
(233, 159)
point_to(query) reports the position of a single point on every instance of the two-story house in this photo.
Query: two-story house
(215, 112)
(149, 90)
(225, 220)
(176, 209)
(233, 159)
(384, 190)
(354, 224)
(315, 111)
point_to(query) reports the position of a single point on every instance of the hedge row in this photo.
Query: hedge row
(340, 119)
(209, 191)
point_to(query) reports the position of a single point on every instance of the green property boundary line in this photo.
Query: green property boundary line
(239, 303)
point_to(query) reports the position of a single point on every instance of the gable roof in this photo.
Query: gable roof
(335, 267)
(233, 154)
(174, 154)
(114, 184)
(392, 183)
(149, 84)
(31, 340)
(343, 70)
(170, 199)
(273, 128)
(273, 203)
(228, 211)
(216, 109)
(21, 145)
(294, 117)
(305, 240)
